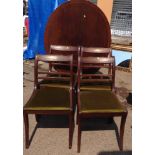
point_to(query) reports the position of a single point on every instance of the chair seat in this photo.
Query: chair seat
(55, 84)
(96, 86)
(99, 102)
(49, 99)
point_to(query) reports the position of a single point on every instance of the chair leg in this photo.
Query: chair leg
(77, 115)
(77, 108)
(26, 121)
(71, 129)
(122, 126)
(79, 135)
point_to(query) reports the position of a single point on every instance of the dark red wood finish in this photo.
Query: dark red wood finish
(77, 23)
(56, 59)
(92, 78)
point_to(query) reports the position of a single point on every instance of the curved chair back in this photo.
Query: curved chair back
(52, 74)
(65, 50)
(94, 52)
(108, 70)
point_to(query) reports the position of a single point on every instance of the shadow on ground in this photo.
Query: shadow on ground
(50, 121)
(116, 153)
(53, 121)
(89, 124)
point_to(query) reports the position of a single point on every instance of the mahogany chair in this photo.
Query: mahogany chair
(61, 50)
(47, 100)
(94, 52)
(64, 51)
(98, 101)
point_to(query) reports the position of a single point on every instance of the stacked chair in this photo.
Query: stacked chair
(45, 98)
(96, 97)
(83, 73)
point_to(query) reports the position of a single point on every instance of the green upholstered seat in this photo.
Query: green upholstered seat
(99, 102)
(49, 99)
(55, 84)
(96, 86)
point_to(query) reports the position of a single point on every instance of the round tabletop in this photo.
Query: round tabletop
(77, 23)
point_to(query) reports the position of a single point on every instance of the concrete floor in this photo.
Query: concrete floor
(51, 134)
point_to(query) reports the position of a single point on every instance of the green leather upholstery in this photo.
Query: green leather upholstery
(96, 86)
(99, 101)
(49, 99)
(55, 84)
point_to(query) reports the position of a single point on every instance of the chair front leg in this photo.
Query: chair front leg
(26, 121)
(122, 127)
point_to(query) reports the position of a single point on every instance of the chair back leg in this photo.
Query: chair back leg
(79, 135)
(71, 128)
(122, 126)
(26, 121)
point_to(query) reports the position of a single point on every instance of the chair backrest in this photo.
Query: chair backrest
(107, 63)
(65, 50)
(56, 60)
(94, 52)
